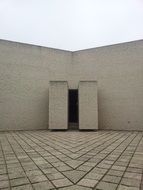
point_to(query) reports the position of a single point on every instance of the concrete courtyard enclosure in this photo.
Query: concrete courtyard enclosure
(44, 88)
(26, 72)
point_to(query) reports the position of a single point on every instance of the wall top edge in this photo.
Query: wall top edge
(32, 45)
(110, 45)
(76, 51)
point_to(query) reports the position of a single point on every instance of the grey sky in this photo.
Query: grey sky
(71, 24)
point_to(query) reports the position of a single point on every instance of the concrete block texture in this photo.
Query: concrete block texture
(88, 106)
(58, 105)
(25, 72)
(119, 72)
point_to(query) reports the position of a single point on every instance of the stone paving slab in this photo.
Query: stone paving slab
(102, 160)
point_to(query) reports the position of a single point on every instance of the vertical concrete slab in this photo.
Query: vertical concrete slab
(88, 105)
(58, 105)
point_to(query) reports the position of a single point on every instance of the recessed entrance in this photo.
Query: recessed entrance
(73, 108)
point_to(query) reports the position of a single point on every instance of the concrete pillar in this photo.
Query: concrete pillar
(58, 105)
(88, 106)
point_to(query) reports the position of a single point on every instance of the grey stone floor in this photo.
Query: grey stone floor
(42, 160)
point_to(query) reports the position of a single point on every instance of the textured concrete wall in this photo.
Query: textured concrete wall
(119, 72)
(25, 72)
(58, 105)
(88, 107)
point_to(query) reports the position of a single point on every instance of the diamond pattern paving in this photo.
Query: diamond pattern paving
(103, 160)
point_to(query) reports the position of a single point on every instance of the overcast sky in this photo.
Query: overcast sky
(71, 24)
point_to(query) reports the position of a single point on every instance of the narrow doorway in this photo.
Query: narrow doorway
(73, 109)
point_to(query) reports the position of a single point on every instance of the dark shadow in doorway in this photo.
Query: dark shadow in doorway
(73, 116)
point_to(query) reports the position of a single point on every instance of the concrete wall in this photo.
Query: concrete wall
(58, 105)
(88, 106)
(25, 72)
(119, 72)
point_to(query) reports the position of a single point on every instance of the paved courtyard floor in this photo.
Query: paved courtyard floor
(42, 160)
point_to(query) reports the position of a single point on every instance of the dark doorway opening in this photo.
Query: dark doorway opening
(73, 108)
